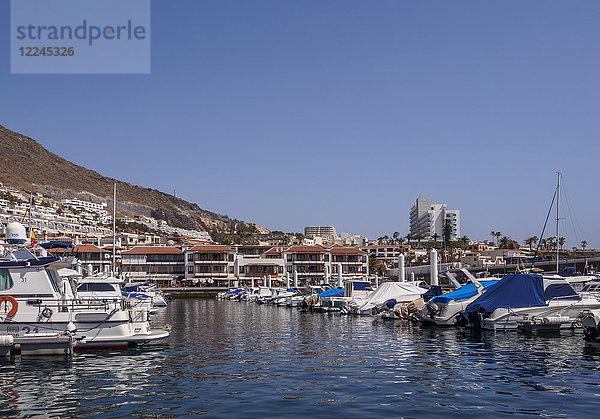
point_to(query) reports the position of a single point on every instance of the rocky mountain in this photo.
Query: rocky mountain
(25, 164)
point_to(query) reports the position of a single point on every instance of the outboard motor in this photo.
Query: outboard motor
(391, 303)
(432, 309)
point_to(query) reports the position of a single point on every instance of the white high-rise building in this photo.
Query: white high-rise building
(327, 233)
(427, 219)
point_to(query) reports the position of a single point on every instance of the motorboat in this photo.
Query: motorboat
(528, 302)
(36, 301)
(444, 309)
(297, 299)
(330, 300)
(590, 321)
(280, 295)
(146, 290)
(399, 292)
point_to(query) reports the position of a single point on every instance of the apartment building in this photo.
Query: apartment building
(354, 261)
(428, 220)
(210, 262)
(161, 264)
(385, 253)
(93, 259)
(310, 261)
(327, 233)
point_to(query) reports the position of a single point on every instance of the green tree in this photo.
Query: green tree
(465, 240)
(435, 237)
(531, 241)
(508, 243)
(377, 266)
(395, 236)
(561, 242)
(418, 238)
(447, 232)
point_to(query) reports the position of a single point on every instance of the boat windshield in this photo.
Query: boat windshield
(54, 279)
(96, 286)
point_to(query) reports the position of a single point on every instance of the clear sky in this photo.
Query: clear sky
(294, 113)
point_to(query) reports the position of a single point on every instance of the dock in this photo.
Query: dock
(193, 292)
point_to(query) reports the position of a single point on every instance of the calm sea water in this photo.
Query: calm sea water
(237, 359)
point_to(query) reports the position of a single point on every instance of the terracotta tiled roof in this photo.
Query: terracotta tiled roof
(382, 246)
(211, 248)
(274, 251)
(341, 250)
(89, 248)
(153, 250)
(306, 249)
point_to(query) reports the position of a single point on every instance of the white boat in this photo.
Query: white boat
(444, 310)
(528, 302)
(297, 299)
(400, 292)
(34, 300)
(145, 290)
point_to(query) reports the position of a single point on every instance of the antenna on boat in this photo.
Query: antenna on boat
(557, 217)
(114, 254)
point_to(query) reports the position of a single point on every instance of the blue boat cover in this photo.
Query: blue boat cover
(432, 292)
(518, 290)
(332, 292)
(55, 245)
(463, 293)
(560, 292)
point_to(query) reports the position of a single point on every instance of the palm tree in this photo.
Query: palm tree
(418, 238)
(584, 244)
(395, 235)
(493, 234)
(465, 239)
(531, 241)
(498, 235)
(561, 242)
(409, 237)
(435, 237)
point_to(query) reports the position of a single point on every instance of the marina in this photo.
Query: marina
(251, 360)
(342, 209)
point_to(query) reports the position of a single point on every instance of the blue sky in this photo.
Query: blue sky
(294, 113)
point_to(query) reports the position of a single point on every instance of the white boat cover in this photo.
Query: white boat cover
(402, 292)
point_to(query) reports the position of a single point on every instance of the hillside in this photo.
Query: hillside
(25, 164)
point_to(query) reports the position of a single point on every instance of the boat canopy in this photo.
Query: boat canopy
(332, 292)
(463, 293)
(56, 245)
(560, 291)
(512, 291)
(402, 292)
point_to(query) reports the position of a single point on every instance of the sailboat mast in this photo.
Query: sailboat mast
(557, 217)
(114, 252)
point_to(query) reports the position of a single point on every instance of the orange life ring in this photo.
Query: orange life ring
(13, 304)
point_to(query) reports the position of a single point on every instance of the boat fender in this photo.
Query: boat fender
(551, 321)
(47, 312)
(14, 305)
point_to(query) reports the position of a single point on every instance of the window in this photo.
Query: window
(6, 281)
(98, 287)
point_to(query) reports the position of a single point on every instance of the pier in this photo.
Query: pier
(193, 292)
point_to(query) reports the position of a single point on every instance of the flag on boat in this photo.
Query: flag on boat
(33, 241)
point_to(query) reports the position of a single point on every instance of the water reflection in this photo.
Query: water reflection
(227, 358)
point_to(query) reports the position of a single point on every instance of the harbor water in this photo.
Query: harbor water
(246, 360)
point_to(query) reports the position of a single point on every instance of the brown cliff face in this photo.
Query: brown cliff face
(25, 164)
